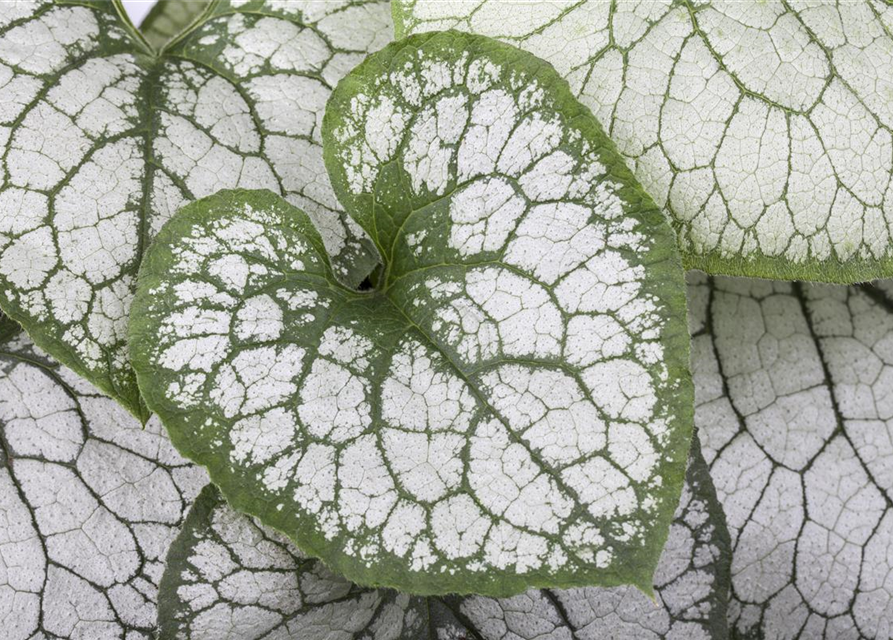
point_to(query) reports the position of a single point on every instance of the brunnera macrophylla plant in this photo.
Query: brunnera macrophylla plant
(806, 496)
(492, 412)
(90, 499)
(105, 137)
(509, 405)
(794, 391)
(229, 577)
(765, 130)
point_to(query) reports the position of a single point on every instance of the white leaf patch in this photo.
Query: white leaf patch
(765, 131)
(229, 577)
(794, 386)
(102, 144)
(89, 502)
(437, 433)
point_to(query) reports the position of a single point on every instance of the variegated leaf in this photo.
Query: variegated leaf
(90, 499)
(794, 387)
(764, 129)
(229, 578)
(483, 419)
(102, 141)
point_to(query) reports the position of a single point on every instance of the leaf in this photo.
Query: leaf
(90, 499)
(794, 412)
(103, 142)
(229, 577)
(168, 18)
(481, 421)
(766, 131)
(8, 328)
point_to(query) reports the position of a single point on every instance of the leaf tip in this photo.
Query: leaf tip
(137, 408)
(647, 588)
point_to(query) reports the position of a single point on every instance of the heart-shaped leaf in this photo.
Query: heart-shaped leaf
(229, 578)
(794, 385)
(90, 499)
(765, 129)
(103, 141)
(507, 407)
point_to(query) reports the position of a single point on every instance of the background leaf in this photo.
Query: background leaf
(168, 18)
(765, 130)
(104, 141)
(89, 502)
(794, 387)
(229, 577)
(8, 328)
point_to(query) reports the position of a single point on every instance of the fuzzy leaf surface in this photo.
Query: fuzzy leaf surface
(764, 130)
(229, 576)
(90, 499)
(103, 140)
(794, 387)
(484, 419)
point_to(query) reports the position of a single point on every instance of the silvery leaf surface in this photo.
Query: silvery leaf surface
(507, 407)
(765, 130)
(794, 389)
(90, 499)
(103, 140)
(230, 578)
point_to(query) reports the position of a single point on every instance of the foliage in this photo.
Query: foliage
(89, 502)
(795, 410)
(425, 319)
(764, 129)
(483, 420)
(226, 576)
(135, 135)
(168, 18)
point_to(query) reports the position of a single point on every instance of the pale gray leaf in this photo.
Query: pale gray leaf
(794, 387)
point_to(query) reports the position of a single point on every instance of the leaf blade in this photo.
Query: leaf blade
(137, 136)
(91, 499)
(745, 157)
(286, 578)
(577, 487)
(807, 434)
(168, 18)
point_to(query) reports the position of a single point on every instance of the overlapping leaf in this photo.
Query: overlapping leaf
(168, 18)
(8, 328)
(764, 129)
(229, 578)
(794, 387)
(90, 499)
(483, 420)
(102, 141)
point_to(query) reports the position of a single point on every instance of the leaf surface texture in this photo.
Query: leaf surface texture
(764, 130)
(103, 141)
(482, 419)
(90, 499)
(168, 18)
(230, 577)
(793, 388)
